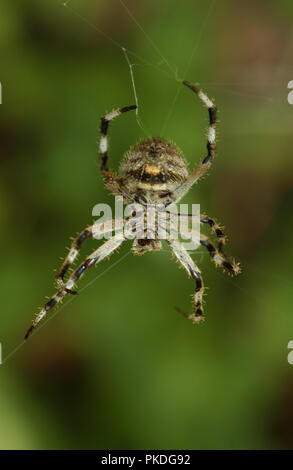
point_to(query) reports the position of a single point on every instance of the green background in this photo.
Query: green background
(117, 367)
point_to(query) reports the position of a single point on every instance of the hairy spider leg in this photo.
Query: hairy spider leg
(89, 232)
(98, 255)
(193, 271)
(204, 166)
(219, 258)
(111, 180)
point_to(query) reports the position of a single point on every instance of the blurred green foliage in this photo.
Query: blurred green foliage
(118, 367)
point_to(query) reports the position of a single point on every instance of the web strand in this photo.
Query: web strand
(195, 49)
(14, 351)
(127, 52)
(139, 122)
(114, 42)
(163, 59)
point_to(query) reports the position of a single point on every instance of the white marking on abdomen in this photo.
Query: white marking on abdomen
(155, 187)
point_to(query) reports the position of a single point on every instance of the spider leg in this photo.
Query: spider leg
(216, 228)
(193, 271)
(89, 232)
(72, 255)
(203, 167)
(104, 134)
(217, 254)
(111, 180)
(219, 258)
(105, 250)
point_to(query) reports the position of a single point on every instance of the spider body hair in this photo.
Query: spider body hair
(152, 170)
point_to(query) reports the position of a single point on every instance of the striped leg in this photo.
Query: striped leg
(90, 232)
(103, 154)
(203, 167)
(216, 228)
(193, 271)
(72, 255)
(211, 144)
(105, 250)
(219, 258)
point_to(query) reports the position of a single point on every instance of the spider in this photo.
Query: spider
(153, 172)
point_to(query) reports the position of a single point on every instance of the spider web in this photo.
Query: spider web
(163, 66)
(170, 71)
(132, 60)
(160, 63)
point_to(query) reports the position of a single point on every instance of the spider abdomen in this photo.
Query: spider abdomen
(153, 169)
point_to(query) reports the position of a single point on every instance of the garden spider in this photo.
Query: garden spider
(153, 172)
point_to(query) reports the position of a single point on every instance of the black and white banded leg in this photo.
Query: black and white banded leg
(203, 167)
(212, 110)
(219, 258)
(216, 229)
(72, 255)
(183, 257)
(90, 232)
(98, 255)
(105, 120)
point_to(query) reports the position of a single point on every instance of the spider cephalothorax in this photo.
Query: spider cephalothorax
(154, 173)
